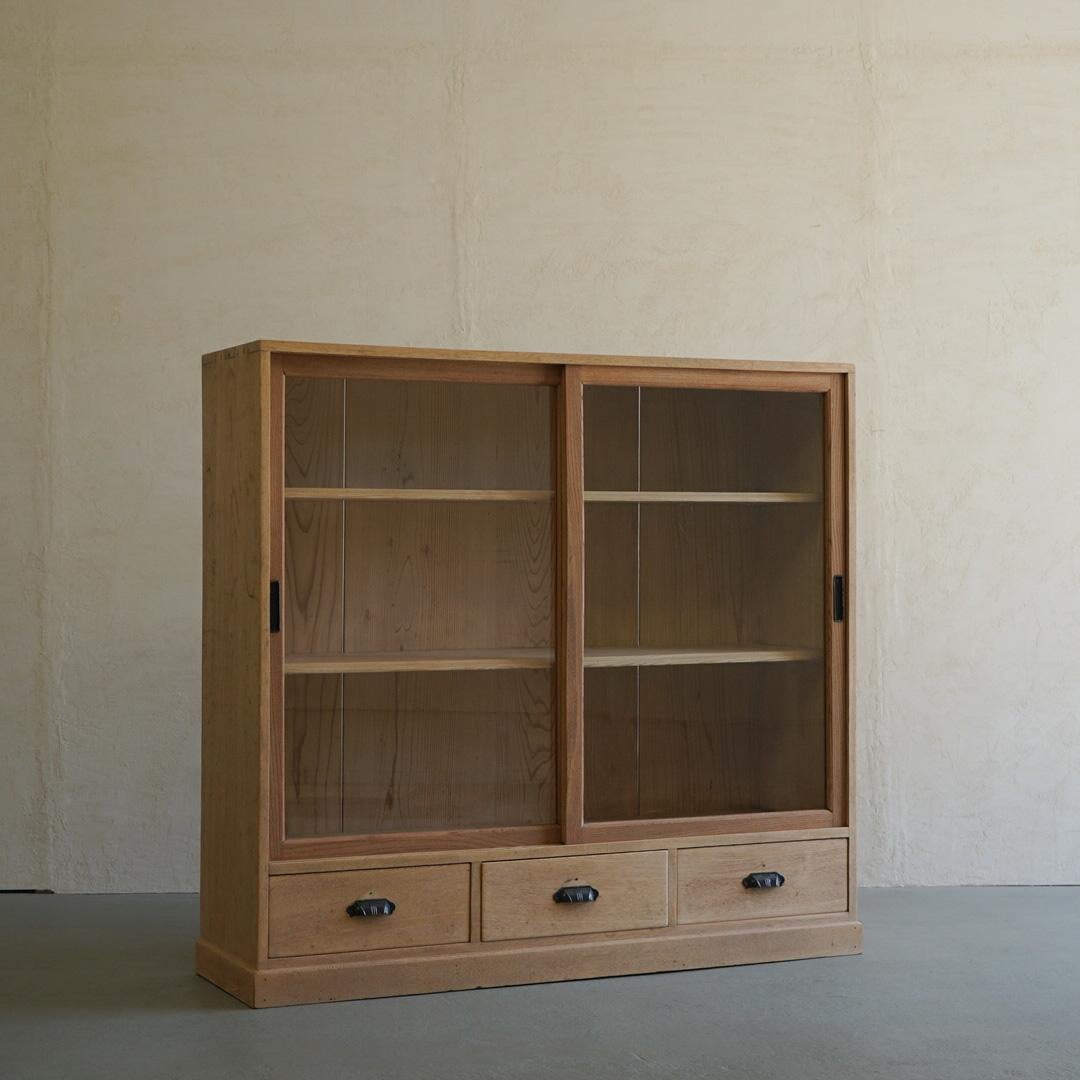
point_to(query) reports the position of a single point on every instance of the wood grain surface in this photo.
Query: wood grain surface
(447, 576)
(517, 897)
(446, 750)
(235, 653)
(308, 911)
(447, 435)
(306, 355)
(313, 737)
(314, 432)
(711, 881)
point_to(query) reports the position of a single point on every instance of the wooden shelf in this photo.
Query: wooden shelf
(502, 659)
(434, 660)
(702, 496)
(518, 495)
(419, 494)
(603, 658)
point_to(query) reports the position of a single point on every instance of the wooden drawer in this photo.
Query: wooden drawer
(307, 911)
(711, 880)
(518, 897)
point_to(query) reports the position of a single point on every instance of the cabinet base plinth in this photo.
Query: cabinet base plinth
(475, 966)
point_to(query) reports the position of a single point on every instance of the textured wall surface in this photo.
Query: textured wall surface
(889, 183)
(969, 440)
(23, 439)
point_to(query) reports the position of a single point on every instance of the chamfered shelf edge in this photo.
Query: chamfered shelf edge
(734, 654)
(703, 496)
(419, 494)
(298, 494)
(426, 660)
(521, 659)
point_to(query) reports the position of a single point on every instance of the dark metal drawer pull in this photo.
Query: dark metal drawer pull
(367, 908)
(576, 894)
(767, 879)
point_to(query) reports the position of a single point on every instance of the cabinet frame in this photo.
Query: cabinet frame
(243, 841)
(569, 605)
(403, 368)
(834, 387)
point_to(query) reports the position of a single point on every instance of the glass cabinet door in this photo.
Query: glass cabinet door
(417, 606)
(704, 681)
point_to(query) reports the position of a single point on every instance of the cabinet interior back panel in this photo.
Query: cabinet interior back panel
(313, 738)
(313, 599)
(394, 752)
(612, 734)
(730, 440)
(610, 415)
(314, 432)
(672, 439)
(683, 741)
(447, 576)
(448, 435)
(700, 575)
(715, 574)
(433, 750)
(611, 574)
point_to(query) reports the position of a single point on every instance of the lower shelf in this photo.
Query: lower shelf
(647, 657)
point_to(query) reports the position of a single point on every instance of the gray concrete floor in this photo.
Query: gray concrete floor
(955, 983)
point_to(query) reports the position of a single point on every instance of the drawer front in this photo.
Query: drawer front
(308, 911)
(517, 898)
(711, 885)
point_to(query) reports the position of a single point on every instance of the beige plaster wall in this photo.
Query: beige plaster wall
(889, 183)
(24, 471)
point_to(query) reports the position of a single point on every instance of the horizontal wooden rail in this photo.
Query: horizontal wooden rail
(501, 659)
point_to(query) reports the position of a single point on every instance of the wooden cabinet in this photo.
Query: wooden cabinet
(488, 633)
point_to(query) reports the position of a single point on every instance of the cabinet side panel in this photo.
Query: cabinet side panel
(235, 648)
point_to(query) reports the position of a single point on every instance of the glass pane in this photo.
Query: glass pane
(402, 751)
(457, 749)
(417, 614)
(312, 755)
(447, 575)
(314, 432)
(447, 435)
(704, 602)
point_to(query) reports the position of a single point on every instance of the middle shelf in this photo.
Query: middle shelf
(355, 494)
(494, 659)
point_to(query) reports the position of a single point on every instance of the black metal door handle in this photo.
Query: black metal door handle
(367, 908)
(275, 607)
(766, 879)
(576, 894)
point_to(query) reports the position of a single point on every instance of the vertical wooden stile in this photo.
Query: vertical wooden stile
(847, 715)
(836, 565)
(277, 641)
(570, 655)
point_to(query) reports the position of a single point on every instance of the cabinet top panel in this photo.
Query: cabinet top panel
(307, 348)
